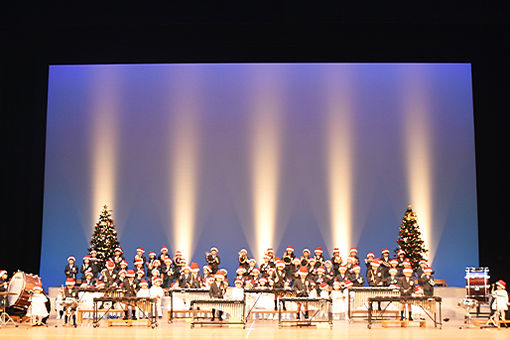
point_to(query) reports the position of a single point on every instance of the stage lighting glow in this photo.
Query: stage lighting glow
(184, 178)
(339, 175)
(265, 167)
(104, 143)
(418, 139)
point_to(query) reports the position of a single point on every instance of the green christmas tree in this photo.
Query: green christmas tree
(104, 238)
(410, 240)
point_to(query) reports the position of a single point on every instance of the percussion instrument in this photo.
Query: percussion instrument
(477, 283)
(319, 310)
(70, 302)
(429, 305)
(234, 309)
(144, 304)
(21, 286)
(359, 297)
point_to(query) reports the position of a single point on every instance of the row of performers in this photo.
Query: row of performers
(277, 277)
(170, 269)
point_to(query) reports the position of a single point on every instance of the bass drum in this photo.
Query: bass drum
(21, 285)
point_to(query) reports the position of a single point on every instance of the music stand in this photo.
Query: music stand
(5, 318)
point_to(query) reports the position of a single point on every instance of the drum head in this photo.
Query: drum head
(16, 286)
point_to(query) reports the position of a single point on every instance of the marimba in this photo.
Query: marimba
(359, 296)
(146, 305)
(319, 310)
(234, 309)
(186, 294)
(427, 303)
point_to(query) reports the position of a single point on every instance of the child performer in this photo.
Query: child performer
(353, 252)
(336, 259)
(129, 289)
(86, 299)
(71, 269)
(143, 292)
(217, 291)
(356, 278)
(238, 291)
(213, 259)
(406, 285)
(59, 308)
(500, 303)
(301, 287)
(87, 266)
(196, 279)
(338, 299)
(243, 258)
(279, 277)
(71, 301)
(37, 310)
(140, 256)
(427, 281)
(156, 292)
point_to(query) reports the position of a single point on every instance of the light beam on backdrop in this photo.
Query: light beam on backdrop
(105, 101)
(265, 160)
(184, 135)
(339, 162)
(418, 139)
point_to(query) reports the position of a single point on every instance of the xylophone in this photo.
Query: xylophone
(359, 296)
(427, 303)
(319, 310)
(146, 305)
(187, 295)
(233, 308)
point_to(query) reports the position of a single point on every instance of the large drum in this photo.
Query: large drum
(21, 285)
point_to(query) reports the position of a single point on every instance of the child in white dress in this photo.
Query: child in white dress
(37, 310)
(500, 303)
(156, 292)
(143, 292)
(338, 299)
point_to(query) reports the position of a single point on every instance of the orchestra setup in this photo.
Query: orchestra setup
(294, 291)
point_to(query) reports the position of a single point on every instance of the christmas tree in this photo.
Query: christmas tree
(104, 238)
(410, 240)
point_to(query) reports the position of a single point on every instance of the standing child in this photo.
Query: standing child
(338, 301)
(500, 304)
(71, 269)
(143, 292)
(427, 281)
(37, 310)
(156, 292)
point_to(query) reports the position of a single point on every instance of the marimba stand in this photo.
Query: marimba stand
(235, 309)
(314, 316)
(5, 318)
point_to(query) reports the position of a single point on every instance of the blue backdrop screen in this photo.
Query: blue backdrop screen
(256, 155)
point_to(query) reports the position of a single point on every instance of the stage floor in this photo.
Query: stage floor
(263, 330)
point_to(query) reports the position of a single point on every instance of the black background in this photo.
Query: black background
(32, 37)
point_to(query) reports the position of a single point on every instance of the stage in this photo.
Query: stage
(263, 330)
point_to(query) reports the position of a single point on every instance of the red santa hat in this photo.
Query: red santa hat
(144, 283)
(71, 258)
(130, 273)
(84, 285)
(167, 259)
(318, 250)
(280, 264)
(252, 261)
(219, 275)
(214, 249)
(270, 250)
(241, 269)
(370, 254)
(3, 272)
(118, 249)
(321, 269)
(194, 267)
(207, 268)
(353, 250)
(408, 270)
(262, 279)
(342, 266)
(347, 283)
(174, 285)
(88, 272)
(110, 265)
(401, 252)
(140, 272)
(156, 262)
(393, 271)
(266, 256)
(323, 285)
(122, 272)
(156, 279)
(140, 250)
(178, 253)
(243, 251)
(155, 272)
(238, 281)
(385, 251)
(70, 281)
(394, 261)
(152, 254)
(93, 251)
(255, 271)
(501, 284)
(306, 250)
(427, 270)
(375, 262)
(38, 288)
(222, 271)
(407, 262)
(99, 284)
(164, 248)
(86, 257)
(356, 267)
(290, 248)
(123, 262)
(328, 262)
(418, 290)
(303, 270)
(336, 250)
(336, 283)
(138, 261)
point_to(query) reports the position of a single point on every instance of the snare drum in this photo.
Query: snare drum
(21, 285)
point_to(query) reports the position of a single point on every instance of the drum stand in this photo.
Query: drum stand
(5, 318)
